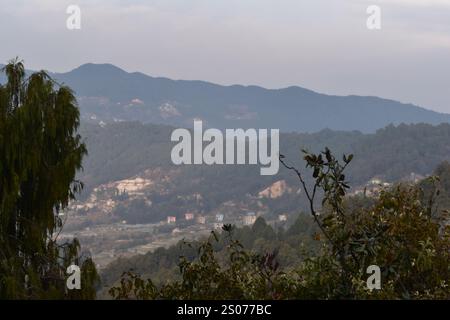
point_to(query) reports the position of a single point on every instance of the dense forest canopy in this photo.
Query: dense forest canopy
(121, 150)
(126, 150)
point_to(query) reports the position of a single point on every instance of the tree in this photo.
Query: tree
(400, 231)
(40, 153)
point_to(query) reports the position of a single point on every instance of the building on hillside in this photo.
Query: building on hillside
(282, 217)
(189, 216)
(249, 218)
(219, 217)
(275, 190)
(171, 219)
(413, 177)
(375, 181)
(201, 220)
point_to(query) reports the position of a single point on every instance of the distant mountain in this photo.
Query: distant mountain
(107, 93)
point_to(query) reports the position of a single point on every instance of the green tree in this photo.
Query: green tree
(400, 231)
(40, 153)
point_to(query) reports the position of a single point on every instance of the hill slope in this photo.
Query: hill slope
(108, 93)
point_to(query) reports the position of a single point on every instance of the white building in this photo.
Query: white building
(189, 216)
(171, 219)
(249, 219)
(201, 220)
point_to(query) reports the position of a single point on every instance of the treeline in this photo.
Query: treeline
(161, 265)
(122, 150)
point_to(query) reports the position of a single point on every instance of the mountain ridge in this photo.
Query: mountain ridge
(108, 93)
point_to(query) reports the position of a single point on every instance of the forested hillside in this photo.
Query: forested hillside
(122, 150)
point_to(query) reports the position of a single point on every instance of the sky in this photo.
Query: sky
(322, 45)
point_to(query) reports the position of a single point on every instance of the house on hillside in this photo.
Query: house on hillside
(249, 219)
(201, 220)
(171, 219)
(189, 216)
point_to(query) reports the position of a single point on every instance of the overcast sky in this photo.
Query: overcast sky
(323, 45)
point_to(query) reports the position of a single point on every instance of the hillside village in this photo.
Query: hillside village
(106, 236)
(96, 223)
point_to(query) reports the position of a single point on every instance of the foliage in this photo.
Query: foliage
(161, 265)
(246, 276)
(40, 153)
(398, 231)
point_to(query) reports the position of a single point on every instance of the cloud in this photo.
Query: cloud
(320, 44)
(421, 3)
